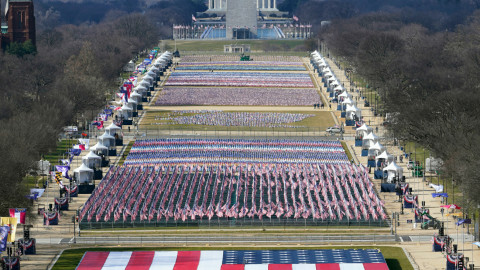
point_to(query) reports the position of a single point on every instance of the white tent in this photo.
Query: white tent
(334, 83)
(374, 149)
(145, 83)
(385, 156)
(140, 88)
(107, 140)
(152, 74)
(91, 160)
(332, 79)
(328, 74)
(352, 110)
(126, 111)
(148, 78)
(339, 88)
(99, 148)
(136, 96)
(393, 170)
(345, 94)
(347, 101)
(112, 129)
(369, 140)
(83, 174)
(364, 130)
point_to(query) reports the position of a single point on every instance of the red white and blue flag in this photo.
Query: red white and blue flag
(236, 260)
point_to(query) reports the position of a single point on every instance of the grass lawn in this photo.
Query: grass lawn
(59, 152)
(319, 122)
(125, 154)
(394, 256)
(347, 151)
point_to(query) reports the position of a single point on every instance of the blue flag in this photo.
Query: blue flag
(434, 195)
(76, 152)
(463, 221)
(4, 230)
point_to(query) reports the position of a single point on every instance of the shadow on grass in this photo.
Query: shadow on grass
(393, 264)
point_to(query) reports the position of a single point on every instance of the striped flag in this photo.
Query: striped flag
(236, 260)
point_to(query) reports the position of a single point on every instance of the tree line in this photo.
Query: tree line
(68, 80)
(428, 78)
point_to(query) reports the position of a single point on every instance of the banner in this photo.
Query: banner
(12, 224)
(18, 213)
(85, 142)
(4, 230)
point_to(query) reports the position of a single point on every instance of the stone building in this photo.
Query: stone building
(17, 22)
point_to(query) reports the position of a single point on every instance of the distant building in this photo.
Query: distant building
(17, 22)
(243, 19)
(234, 48)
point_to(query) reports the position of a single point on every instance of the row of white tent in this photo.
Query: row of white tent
(91, 161)
(140, 89)
(344, 98)
(369, 140)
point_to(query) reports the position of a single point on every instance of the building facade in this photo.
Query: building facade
(18, 22)
(243, 19)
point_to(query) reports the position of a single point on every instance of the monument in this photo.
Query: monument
(241, 19)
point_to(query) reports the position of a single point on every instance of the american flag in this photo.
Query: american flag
(236, 259)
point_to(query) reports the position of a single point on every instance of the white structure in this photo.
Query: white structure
(384, 157)
(369, 140)
(353, 111)
(83, 174)
(375, 149)
(91, 160)
(107, 140)
(364, 130)
(392, 171)
(261, 5)
(99, 148)
(241, 19)
(112, 129)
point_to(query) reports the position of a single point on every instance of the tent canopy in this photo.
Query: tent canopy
(112, 126)
(125, 107)
(393, 167)
(384, 155)
(371, 136)
(83, 168)
(106, 136)
(352, 108)
(91, 155)
(148, 78)
(135, 94)
(347, 101)
(98, 146)
(364, 127)
(345, 94)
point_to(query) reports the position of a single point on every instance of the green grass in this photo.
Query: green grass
(125, 153)
(30, 181)
(394, 256)
(418, 152)
(275, 46)
(347, 151)
(59, 152)
(319, 122)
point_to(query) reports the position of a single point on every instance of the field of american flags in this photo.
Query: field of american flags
(198, 182)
